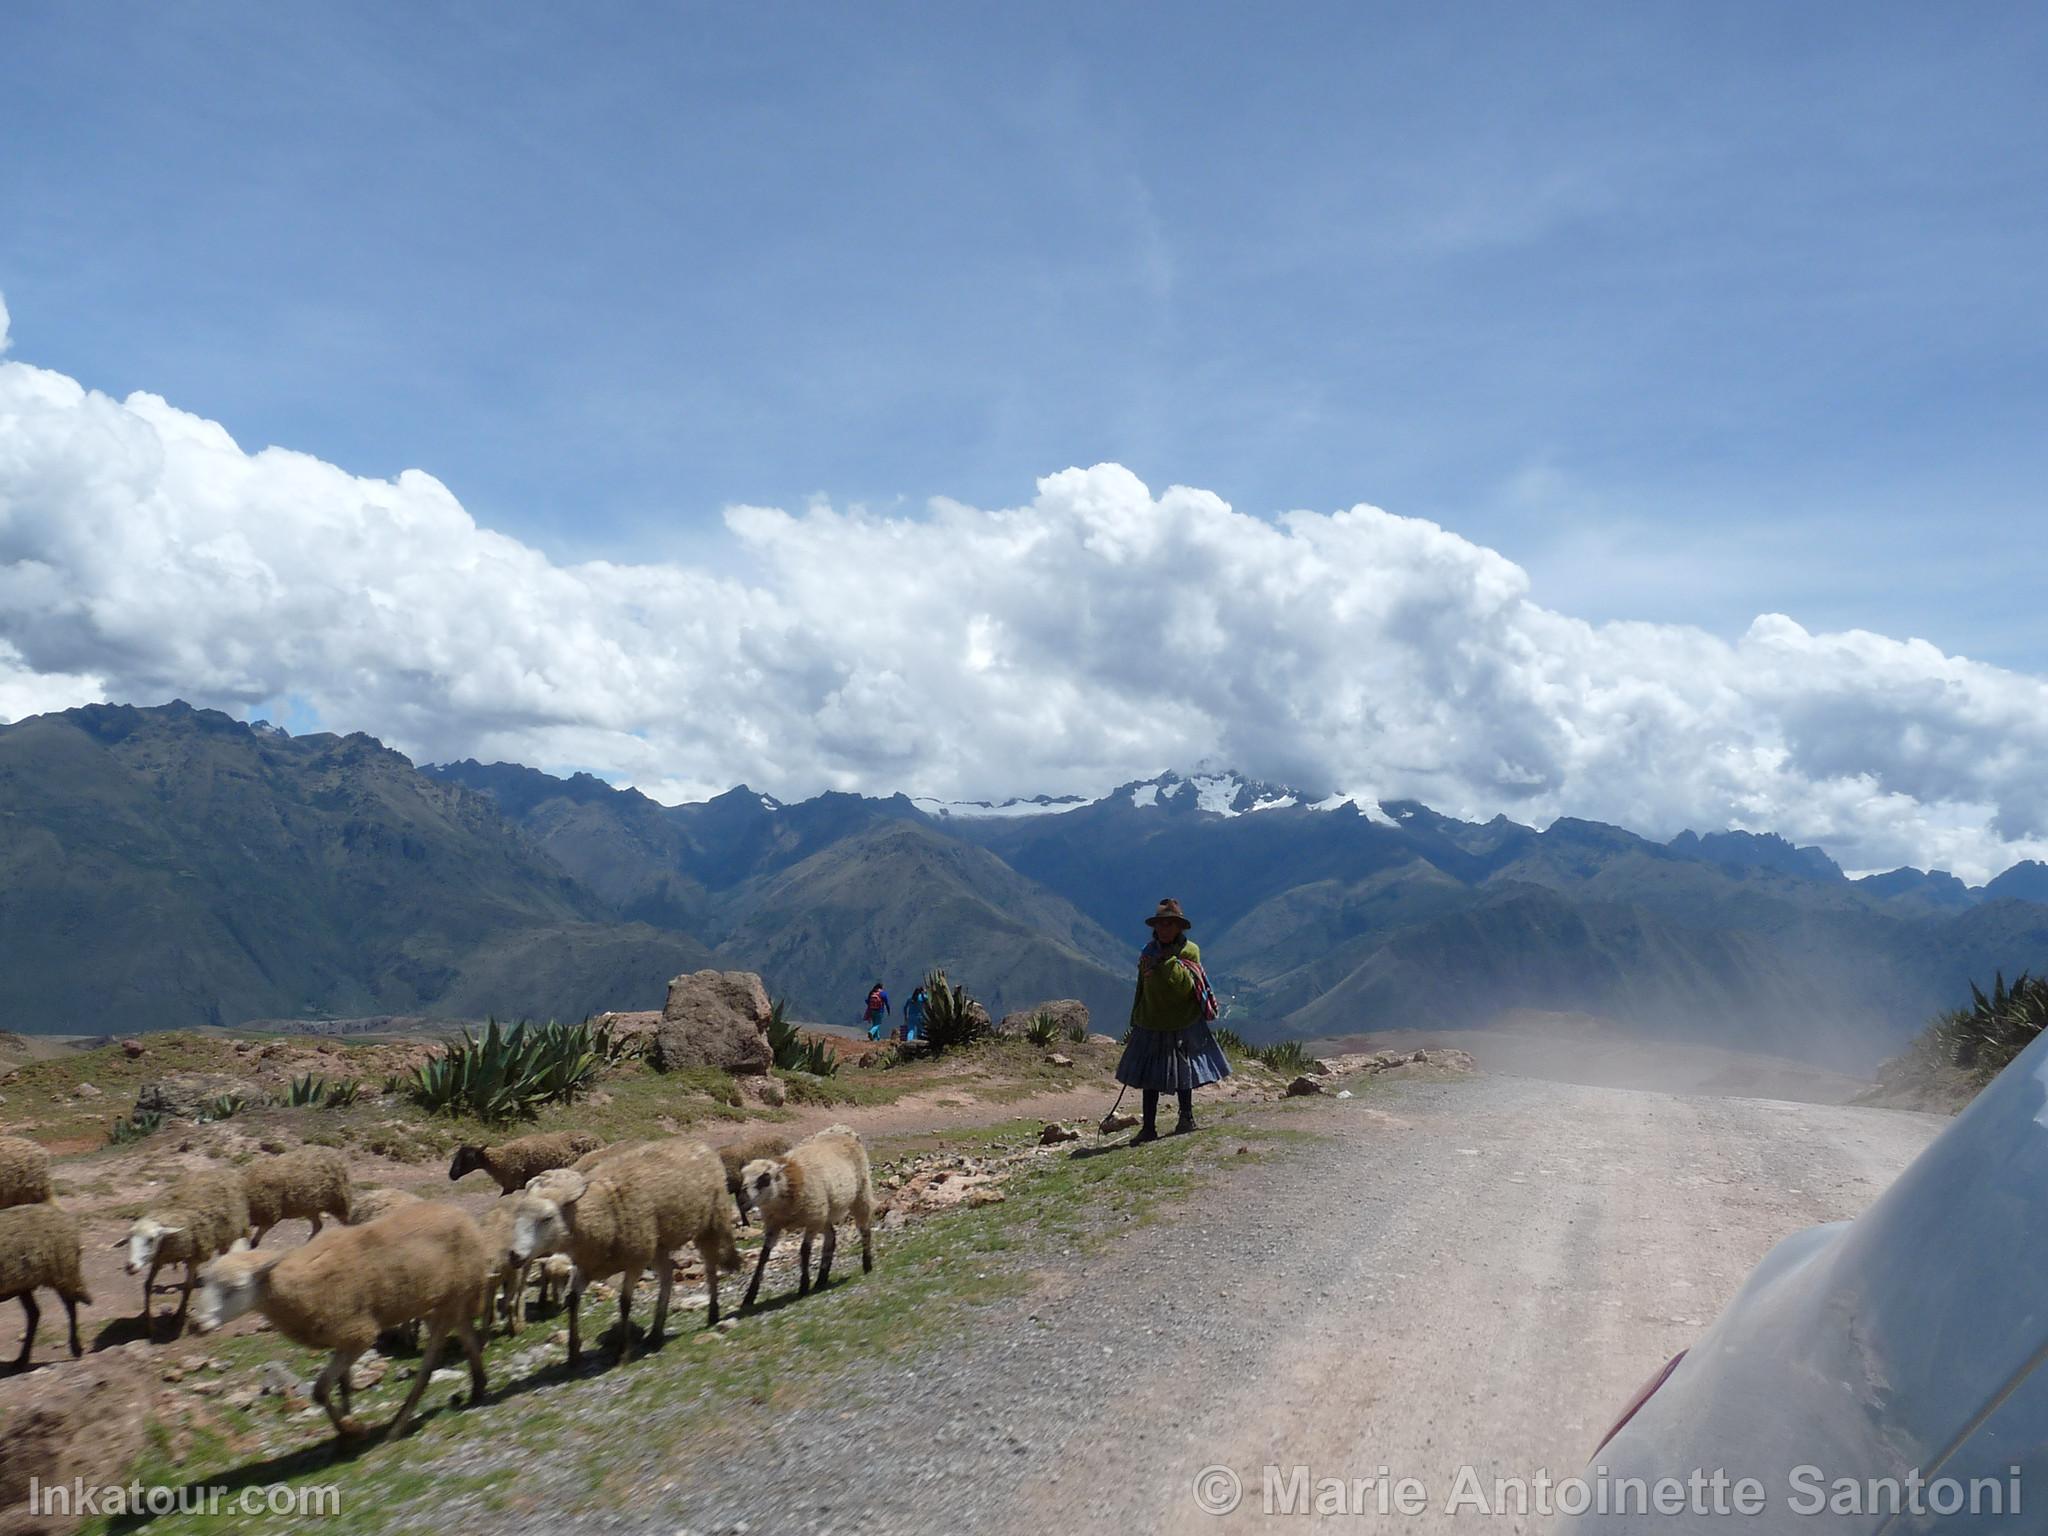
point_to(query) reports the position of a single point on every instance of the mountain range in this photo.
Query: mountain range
(167, 866)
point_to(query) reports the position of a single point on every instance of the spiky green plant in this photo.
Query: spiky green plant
(1077, 1031)
(144, 1122)
(1285, 1056)
(342, 1094)
(793, 1050)
(224, 1107)
(952, 1018)
(1995, 1029)
(508, 1074)
(306, 1092)
(1232, 1042)
(1043, 1029)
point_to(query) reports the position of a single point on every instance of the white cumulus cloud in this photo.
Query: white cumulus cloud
(1096, 633)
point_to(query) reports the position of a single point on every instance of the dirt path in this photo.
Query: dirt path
(1471, 1273)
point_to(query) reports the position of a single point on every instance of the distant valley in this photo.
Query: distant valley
(167, 866)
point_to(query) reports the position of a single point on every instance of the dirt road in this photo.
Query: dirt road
(1468, 1273)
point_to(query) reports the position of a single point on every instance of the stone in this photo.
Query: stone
(1302, 1087)
(368, 1370)
(131, 1048)
(714, 1019)
(636, 1029)
(1112, 1123)
(766, 1089)
(182, 1095)
(276, 1377)
(1069, 1013)
(1056, 1133)
(1054, 1058)
(1319, 1068)
(241, 1397)
(83, 1419)
(86, 1091)
(1344, 1093)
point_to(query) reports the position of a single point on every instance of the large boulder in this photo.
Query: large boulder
(1071, 1014)
(714, 1019)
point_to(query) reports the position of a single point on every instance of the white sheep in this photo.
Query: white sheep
(304, 1186)
(736, 1154)
(204, 1214)
(424, 1262)
(39, 1246)
(513, 1163)
(813, 1187)
(627, 1215)
(24, 1172)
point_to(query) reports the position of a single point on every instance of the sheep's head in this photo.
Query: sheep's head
(145, 1240)
(230, 1285)
(468, 1158)
(546, 1210)
(727, 1255)
(762, 1181)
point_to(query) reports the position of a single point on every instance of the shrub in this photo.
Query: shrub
(306, 1091)
(144, 1122)
(226, 1107)
(1284, 1057)
(1231, 1041)
(793, 1050)
(952, 1018)
(1993, 1030)
(1077, 1032)
(341, 1095)
(1042, 1030)
(507, 1074)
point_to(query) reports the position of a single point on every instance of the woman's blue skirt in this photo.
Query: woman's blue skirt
(1169, 1060)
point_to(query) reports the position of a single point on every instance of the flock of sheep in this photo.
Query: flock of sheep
(572, 1208)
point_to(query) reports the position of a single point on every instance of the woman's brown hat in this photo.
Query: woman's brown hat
(1169, 912)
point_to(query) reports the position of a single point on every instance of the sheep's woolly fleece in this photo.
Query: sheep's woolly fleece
(145, 554)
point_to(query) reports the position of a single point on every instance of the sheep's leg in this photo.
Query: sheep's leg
(28, 1334)
(803, 1266)
(515, 1299)
(864, 1218)
(473, 1347)
(664, 1288)
(436, 1332)
(825, 1258)
(489, 1318)
(323, 1393)
(768, 1236)
(149, 1287)
(575, 1317)
(741, 1206)
(71, 1306)
(711, 1290)
(185, 1298)
(626, 1283)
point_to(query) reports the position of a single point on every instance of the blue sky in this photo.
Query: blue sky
(1694, 311)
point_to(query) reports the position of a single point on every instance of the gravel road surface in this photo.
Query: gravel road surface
(1475, 1272)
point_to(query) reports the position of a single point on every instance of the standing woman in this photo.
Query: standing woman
(1169, 1045)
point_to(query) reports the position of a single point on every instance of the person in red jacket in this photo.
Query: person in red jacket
(877, 1006)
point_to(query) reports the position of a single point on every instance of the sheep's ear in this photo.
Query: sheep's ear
(564, 1186)
(121, 1241)
(168, 1231)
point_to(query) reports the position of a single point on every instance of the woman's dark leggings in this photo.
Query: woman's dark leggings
(1187, 1107)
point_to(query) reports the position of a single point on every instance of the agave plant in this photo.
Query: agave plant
(224, 1107)
(341, 1095)
(792, 1050)
(507, 1074)
(306, 1092)
(1286, 1056)
(144, 1122)
(952, 1018)
(1043, 1029)
(1232, 1042)
(1995, 1029)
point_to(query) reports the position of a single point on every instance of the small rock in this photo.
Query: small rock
(86, 1091)
(174, 1373)
(1054, 1058)
(368, 1371)
(242, 1397)
(985, 1196)
(559, 1336)
(1244, 1151)
(1420, 1056)
(1111, 1124)
(276, 1377)
(131, 1048)
(447, 1375)
(1343, 1093)
(1319, 1068)
(768, 1090)
(1302, 1086)
(1056, 1133)
(725, 1325)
